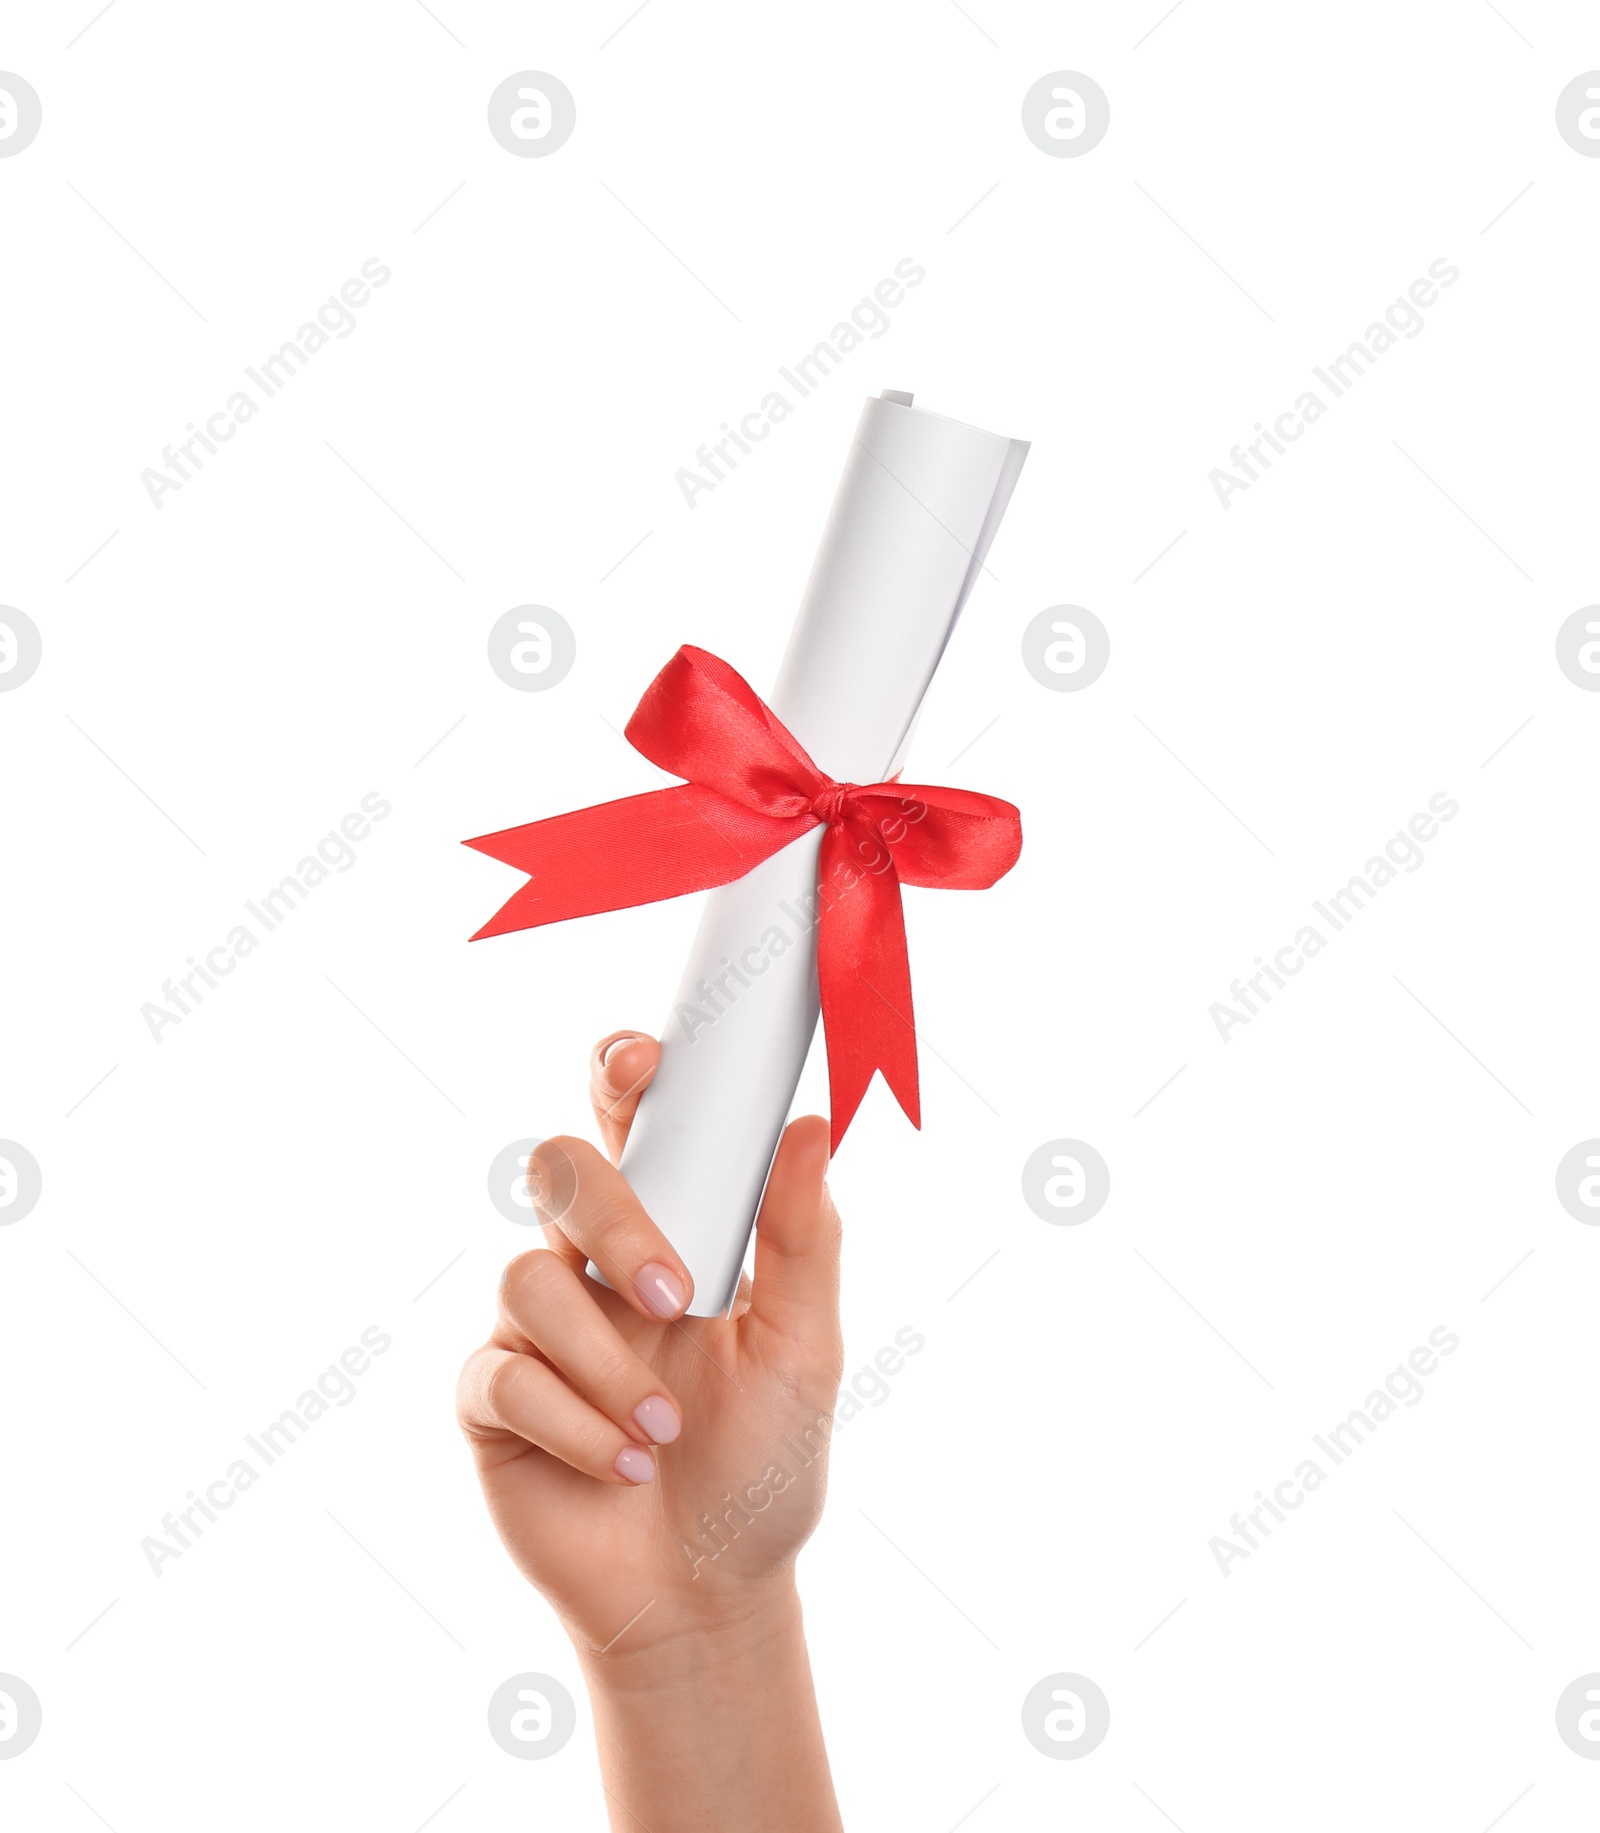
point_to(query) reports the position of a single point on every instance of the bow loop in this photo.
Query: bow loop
(951, 839)
(750, 789)
(701, 720)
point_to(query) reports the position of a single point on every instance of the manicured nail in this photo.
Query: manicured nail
(612, 1048)
(658, 1420)
(636, 1465)
(661, 1290)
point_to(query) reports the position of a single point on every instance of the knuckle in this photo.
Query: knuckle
(501, 1386)
(618, 1235)
(470, 1384)
(596, 1443)
(613, 1371)
(554, 1177)
(532, 1279)
(608, 1246)
(832, 1229)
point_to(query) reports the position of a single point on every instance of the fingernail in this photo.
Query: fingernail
(661, 1290)
(658, 1420)
(612, 1048)
(636, 1465)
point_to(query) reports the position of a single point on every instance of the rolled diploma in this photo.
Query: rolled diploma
(916, 509)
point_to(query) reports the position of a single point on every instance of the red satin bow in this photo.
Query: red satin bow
(751, 789)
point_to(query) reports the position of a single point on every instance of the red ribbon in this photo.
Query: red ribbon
(750, 790)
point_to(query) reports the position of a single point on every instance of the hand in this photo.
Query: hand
(655, 1476)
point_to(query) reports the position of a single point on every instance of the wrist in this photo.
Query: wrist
(677, 1648)
(709, 1725)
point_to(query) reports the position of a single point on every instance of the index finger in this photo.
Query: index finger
(590, 1203)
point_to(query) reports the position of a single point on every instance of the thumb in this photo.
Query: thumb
(621, 1068)
(796, 1286)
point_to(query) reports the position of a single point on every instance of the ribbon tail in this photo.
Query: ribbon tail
(621, 854)
(864, 976)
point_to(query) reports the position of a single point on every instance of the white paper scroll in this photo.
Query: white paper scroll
(918, 505)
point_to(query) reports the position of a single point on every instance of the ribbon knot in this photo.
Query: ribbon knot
(749, 790)
(830, 804)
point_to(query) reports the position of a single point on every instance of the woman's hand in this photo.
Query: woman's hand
(655, 1476)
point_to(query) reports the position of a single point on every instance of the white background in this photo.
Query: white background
(1287, 1219)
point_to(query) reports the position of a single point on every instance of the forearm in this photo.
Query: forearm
(714, 1729)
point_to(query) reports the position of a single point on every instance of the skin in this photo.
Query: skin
(704, 1708)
